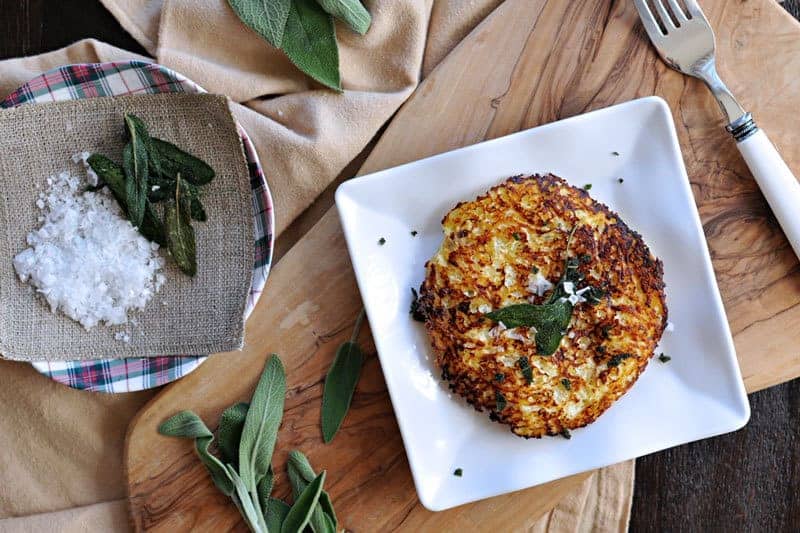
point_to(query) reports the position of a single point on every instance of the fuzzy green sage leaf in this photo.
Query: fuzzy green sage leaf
(300, 474)
(229, 432)
(351, 12)
(266, 17)
(300, 513)
(261, 424)
(276, 511)
(340, 383)
(188, 425)
(309, 41)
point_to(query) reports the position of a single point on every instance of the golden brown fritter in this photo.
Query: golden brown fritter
(507, 247)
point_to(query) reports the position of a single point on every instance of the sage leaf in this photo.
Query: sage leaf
(300, 513)
(187, 424)
(261, 424)
(310, 42)
(180, 233)
(197, 211)
(276, 511)
(266, 17)
(153, 157)
(175, 161)
(265, 488)
(229, 432)
(300, 474)
(350, 12)
(550, 320)
(253, 517)
(113, 176)
(134, 163)
(340, 383)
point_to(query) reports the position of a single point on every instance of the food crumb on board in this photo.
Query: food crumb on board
(664, 358)
(86, 259)
(620, 180)
(458, 472)
(381, 241)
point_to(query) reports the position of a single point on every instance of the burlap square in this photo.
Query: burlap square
(189, 316)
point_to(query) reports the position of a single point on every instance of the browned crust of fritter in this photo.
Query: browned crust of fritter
(622, 266)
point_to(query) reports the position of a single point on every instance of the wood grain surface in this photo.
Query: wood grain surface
(530, 63)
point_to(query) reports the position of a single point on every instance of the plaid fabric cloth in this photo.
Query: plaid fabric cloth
(72, 82)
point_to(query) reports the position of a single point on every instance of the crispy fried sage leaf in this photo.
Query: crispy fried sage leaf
(188, 425)
(550, 320)
(266, 17)
(261, 424)
(153, 157)
(175, 161)
(114, 177)
(310, 42)
(180, 233)
(349, 11)
(134, 163)
(300, 513)
(197, 211)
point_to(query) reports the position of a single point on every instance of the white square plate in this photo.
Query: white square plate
(698, 394)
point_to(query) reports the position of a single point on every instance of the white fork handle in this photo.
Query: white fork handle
(777, 183)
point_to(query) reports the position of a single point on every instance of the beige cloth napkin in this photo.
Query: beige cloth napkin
(61, 449)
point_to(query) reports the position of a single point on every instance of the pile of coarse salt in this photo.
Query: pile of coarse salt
(86, 259)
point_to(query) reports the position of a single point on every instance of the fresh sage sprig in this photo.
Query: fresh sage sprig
(300, 473)
(246, 440)
(154, 171)
(305, 31)
(340, 383)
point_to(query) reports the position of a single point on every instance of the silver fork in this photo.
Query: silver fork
(685, 41)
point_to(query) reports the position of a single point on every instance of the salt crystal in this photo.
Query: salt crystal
(123, 336)
(83, 158)
(86, 259)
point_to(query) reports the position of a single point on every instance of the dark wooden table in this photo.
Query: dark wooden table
(745, 481)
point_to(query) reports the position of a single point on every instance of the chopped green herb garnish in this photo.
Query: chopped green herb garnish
(616, 154)
(585, 258)
(605, 331)
(620, 180)
(415, 311)
(458, 472)
(500, 401)
(525, 366)
(381, 241)
(566, 434)
(664, 358)
(587, 187)
(535, 269)
(566, 383)
(617, 359)
(601, 349)
(414, 233)
(516, 236)
(499, 376)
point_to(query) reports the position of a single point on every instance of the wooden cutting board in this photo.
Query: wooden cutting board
(530, 62)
